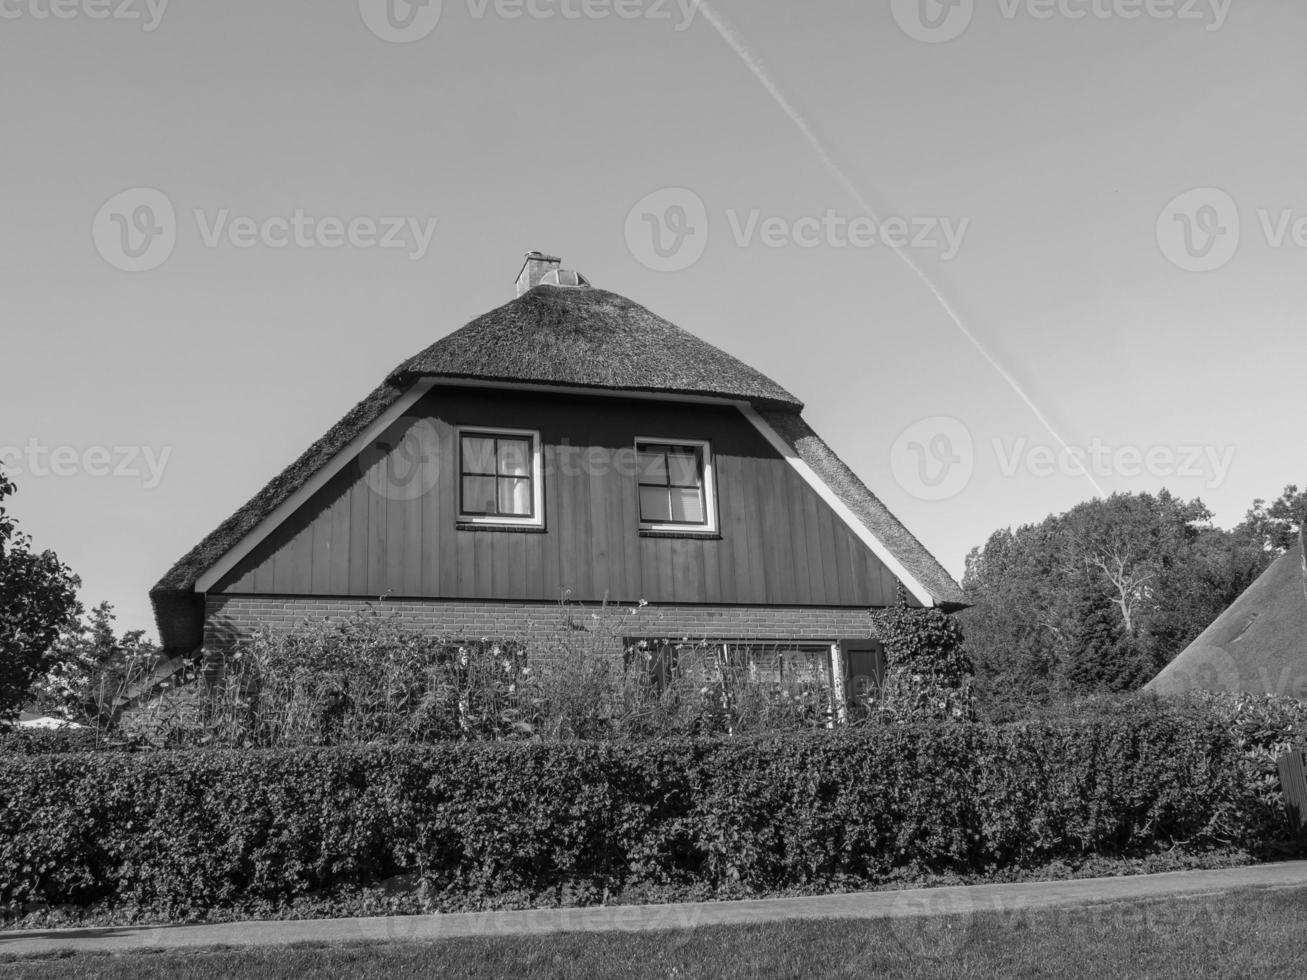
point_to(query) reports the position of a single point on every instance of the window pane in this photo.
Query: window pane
(514, 457)
(654, 505)
(478, 455)
(683, 467)
(515, 497)
(687, 506)
(479, 495)
(653, 468)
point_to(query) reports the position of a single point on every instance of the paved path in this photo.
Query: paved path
(895, 905)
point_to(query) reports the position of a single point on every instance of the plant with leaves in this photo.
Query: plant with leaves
(928, 672)
(97, 671)
(38, 599)
(1276, 526)
(1100, 598)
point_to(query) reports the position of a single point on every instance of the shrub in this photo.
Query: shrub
(179, 834)
(46, 741)
(371, 678)
(928, 673)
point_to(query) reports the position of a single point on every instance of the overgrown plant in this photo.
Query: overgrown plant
(372, 678)
(928, 673)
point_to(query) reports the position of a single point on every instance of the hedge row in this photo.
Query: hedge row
(176, 834)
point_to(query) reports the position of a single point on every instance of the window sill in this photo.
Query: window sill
(695, 535)
(500, 528)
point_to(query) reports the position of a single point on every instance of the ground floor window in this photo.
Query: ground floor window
(773, 664)
(777, 666)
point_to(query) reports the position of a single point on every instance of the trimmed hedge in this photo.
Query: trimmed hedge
(177, 834)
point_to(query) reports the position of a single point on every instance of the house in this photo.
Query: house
(1257, 646)
(570, 443)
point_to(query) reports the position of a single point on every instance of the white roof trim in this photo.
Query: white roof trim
(215, 573)
(841, 509)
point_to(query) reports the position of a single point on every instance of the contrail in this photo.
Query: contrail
(755, 65)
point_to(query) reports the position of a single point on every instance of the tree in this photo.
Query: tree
(1276, 526)
(38, 598)
(1100, 598)
(95, 669)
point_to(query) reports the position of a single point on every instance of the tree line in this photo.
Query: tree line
(1102, 597)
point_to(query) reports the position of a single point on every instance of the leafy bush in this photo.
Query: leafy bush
(179, 834)
(928, 672)
(371, 678)
(46, 741)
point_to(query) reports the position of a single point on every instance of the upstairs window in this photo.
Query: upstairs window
(500, 480)
(676, 486)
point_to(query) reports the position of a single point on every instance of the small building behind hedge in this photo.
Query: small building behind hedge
(570, 445)
(1257, 646)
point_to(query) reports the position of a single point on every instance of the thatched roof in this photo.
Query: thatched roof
(586, 338)
(178, 611)
(591, 338)
(1257, 646)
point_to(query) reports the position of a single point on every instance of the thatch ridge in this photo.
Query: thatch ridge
(591, 338)
(869, 509)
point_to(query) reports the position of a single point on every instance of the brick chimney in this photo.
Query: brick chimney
(535, 268)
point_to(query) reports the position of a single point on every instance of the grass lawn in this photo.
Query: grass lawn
(1241, 934)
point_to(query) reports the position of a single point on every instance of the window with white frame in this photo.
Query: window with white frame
(676, 485)
(500, 477)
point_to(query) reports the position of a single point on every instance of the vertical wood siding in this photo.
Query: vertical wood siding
(780, 544)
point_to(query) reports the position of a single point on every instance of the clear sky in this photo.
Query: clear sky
(1042, 155)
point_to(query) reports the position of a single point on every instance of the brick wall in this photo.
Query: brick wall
(229, 618)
